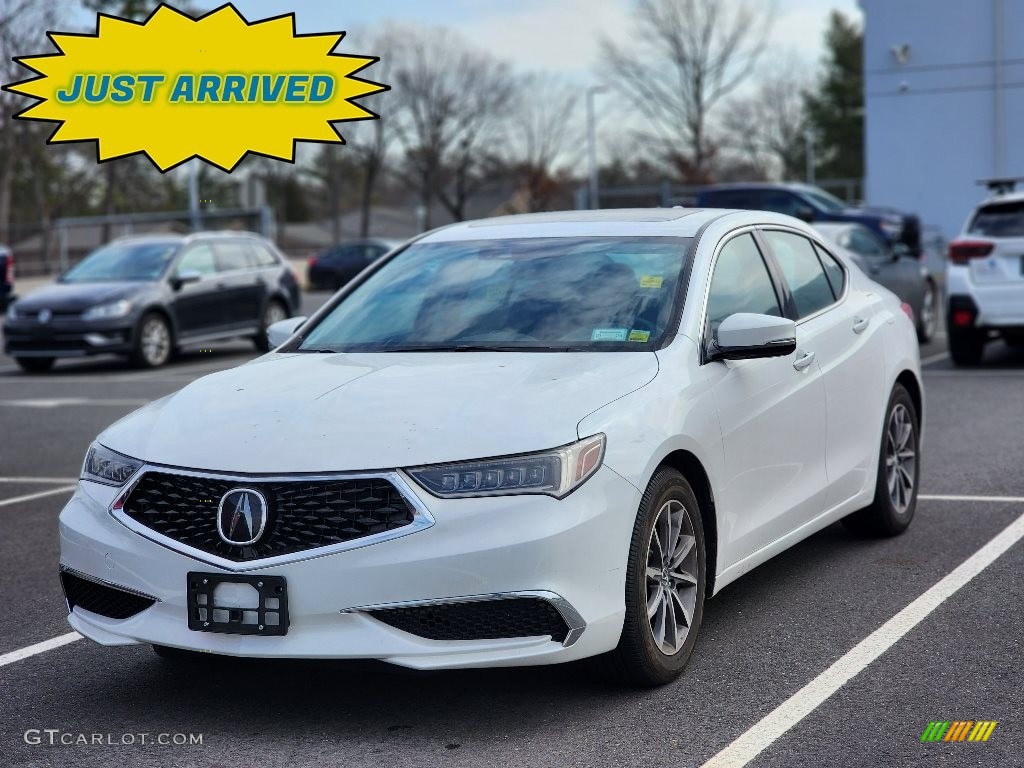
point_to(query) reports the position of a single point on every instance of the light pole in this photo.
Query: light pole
(593, 199)
(809, 149)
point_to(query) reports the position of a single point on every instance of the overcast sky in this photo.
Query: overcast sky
(560, 35)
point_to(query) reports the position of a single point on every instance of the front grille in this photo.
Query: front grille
(102, 599)
(303, 514)
(478, 620)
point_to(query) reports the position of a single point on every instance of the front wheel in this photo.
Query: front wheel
(35, 364)
(153, 343)
(899, 469)
(665, 585)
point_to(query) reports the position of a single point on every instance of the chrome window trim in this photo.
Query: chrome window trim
(570, 615)
(422, 519)
(105, 583)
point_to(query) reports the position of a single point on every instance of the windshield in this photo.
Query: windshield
(824, 199)
(123, 261)
(590, 294)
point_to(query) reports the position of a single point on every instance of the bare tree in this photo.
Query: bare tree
(767, 125)
(448, 101)
(681, 60)
(544, 134)
(20, 21)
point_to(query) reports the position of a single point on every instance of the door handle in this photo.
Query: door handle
(804, 361)
(860, 324)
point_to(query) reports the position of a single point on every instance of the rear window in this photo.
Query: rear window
(999, 220)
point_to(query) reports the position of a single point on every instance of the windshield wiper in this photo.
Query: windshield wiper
(473, 348)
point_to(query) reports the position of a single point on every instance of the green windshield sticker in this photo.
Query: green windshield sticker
(609, 334)
(641, 336)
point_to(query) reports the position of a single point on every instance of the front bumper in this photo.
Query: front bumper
(571, 552)
(67, 338)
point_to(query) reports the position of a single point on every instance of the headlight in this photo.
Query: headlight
(556, 473)
(108, 311)
(103, 465)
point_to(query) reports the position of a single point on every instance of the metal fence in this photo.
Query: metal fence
(666, 194)
(44, 250)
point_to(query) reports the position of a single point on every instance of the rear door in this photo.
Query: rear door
(197, 306)
(843, 330)
(901, 276)
(241, 288)
(772, 414)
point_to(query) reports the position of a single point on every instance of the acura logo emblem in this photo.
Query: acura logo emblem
(242, 516)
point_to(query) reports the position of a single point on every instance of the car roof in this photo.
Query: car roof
(1010, 197)
(794, 186)
(618, 222)
(174, 237)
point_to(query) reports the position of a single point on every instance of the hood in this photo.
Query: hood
(326, 413)
(76, 297)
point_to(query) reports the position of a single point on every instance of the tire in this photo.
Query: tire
(640, 659)
(896, 484)
(272, 313)
(154, 343)
(928, 317)
(35, 364)
(966, 347)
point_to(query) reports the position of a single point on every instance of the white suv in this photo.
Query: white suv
(985, 276)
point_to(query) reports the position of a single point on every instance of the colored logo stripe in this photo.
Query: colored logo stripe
(958, 730)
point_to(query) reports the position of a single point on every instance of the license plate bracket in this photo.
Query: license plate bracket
(268, 618)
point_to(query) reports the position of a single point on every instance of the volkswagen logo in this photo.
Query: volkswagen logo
(242, 516)
(45, 315)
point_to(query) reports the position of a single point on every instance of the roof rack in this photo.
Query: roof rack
(1001, 186)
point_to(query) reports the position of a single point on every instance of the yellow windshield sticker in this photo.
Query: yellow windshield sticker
(641, 336)
(651, 281)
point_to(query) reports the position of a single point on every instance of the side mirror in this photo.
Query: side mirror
(900, 251)
(805, 213)
(282, 330)
(184, 278)
(746, 336)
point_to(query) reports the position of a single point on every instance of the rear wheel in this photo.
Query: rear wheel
(928, 317)
(665, 584)
(35, 364)
(274, 312)
(898, 471)
(966, 346)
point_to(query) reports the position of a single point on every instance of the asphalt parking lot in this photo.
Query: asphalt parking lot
(765, 637)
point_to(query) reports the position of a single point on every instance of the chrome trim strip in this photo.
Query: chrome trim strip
(569, 614)
(422, 519)
(110, 584)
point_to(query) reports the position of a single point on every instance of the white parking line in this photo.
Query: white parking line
(935, 358)
(43, 647)
(997, 499)
(43, 480)
(794, 709)
(39, 495)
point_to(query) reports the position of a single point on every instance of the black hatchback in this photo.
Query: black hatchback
(143, 297)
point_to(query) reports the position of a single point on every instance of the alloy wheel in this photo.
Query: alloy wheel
(671, 577)
(156, 341)
(929, 316)
(900, 458)
(274, 314)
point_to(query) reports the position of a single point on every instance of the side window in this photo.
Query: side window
(198, 258)
(833, 270)
(741, 283)
(232, 255)
(780, 201)
(802, 270)
(263, 256)
(863, 243)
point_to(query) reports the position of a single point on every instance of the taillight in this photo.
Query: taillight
(311, 262)
(907, 310)
(9, 279)
(962, 251)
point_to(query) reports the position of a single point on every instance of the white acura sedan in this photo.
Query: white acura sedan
(523, 440)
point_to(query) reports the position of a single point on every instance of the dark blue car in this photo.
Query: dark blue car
(812, 204)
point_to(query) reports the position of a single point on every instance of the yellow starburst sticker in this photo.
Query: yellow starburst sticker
(216, 87)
